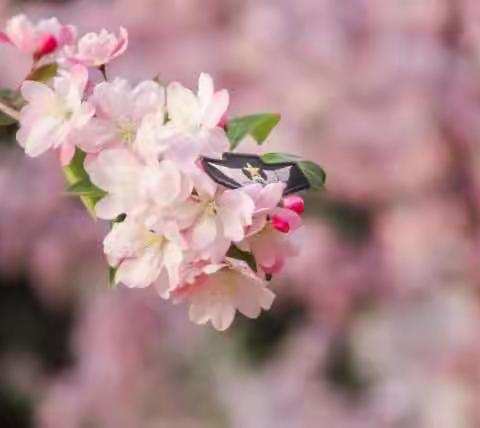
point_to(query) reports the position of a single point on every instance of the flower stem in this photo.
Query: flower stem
(103, 70)
(14, 114)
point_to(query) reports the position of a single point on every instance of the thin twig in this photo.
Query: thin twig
(14, 114)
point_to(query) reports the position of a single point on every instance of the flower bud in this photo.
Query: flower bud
(47, 45)
(280, 224)
(294, 203)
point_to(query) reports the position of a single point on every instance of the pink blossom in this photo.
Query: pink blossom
(227, 287)
(96, 50)
(145, 251)
(45, 37)
(132, 185)
(120, 109)
(217, 220)
(191, 113)
(51, 115)
(270, 248)
(267, 199)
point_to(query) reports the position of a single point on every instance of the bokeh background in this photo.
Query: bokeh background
(376, 323)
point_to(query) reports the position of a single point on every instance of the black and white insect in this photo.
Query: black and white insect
(236, 170)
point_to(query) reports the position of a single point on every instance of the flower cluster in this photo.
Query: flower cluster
(134, 154)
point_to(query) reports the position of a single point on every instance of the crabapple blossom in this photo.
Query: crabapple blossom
(221, 289)
(120, 109)
(96, 50)
(217, 220)
(40, 39)
(190, 113)
(52, 114)
(267, 209)
(270, 248)
(145, 251)
(131, 184)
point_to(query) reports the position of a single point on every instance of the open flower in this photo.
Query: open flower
(96, 50)
(270, 248)
(216, 220)
(190, 113)
(120, 109)
(267, 210)
(40, 39)
(145, 251)
(51, 115)
(221, 289)
(132, 185)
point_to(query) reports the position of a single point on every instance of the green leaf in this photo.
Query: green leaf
(258, 126)
(43, 73)
(77, 178)
(280, 157)
(236, 253)
(314, 172)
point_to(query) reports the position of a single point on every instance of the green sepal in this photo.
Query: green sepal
(44, 73)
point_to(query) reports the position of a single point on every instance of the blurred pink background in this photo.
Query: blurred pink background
(376, 323)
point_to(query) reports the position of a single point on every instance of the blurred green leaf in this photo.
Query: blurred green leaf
(77, 178)
(236, 253)
(314, 172)
(258, 126)
(43, 73)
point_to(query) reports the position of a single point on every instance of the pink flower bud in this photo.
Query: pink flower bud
(294, 203)
(47, 45)
(280, 224)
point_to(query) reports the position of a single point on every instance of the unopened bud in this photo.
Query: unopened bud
(280, 224)
(294, 203)
(46, 46)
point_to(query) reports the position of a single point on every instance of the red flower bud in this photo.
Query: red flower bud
(280, 224)
(294, 203)
(46, 46)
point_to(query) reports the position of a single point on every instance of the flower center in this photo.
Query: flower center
(128, 132)
(211, 208)
(153, 239)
